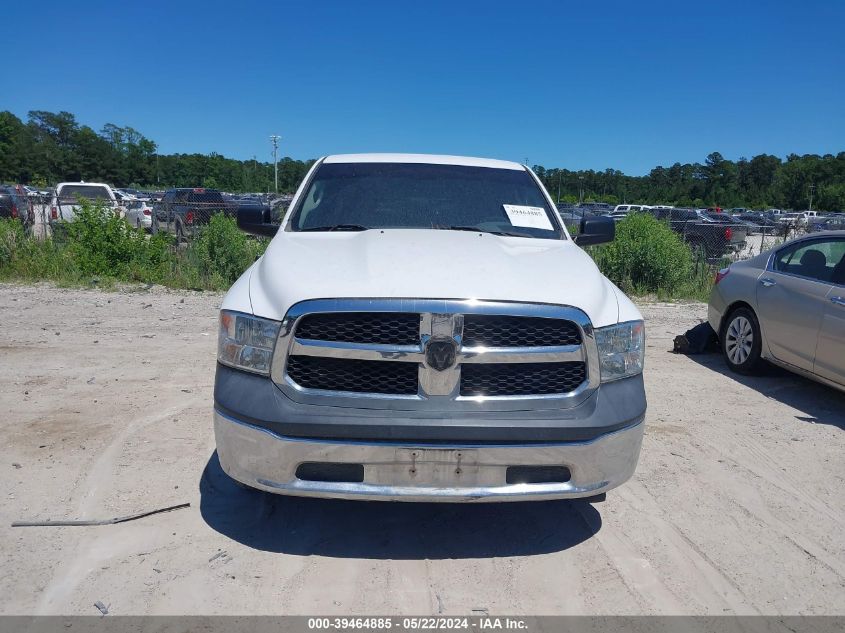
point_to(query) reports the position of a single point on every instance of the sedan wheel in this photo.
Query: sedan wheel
(741, 341)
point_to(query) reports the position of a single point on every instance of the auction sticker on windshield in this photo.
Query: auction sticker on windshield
(529, 217)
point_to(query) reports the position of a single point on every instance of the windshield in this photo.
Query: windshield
(349, 196)
(91, 192)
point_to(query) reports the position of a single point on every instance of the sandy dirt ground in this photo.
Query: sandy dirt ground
(737, 505)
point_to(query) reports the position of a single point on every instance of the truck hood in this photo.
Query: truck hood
(427, 264)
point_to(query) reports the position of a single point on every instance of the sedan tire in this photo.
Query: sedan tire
(741, 342)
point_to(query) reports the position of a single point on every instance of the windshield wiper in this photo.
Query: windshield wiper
(336, 227)
(478, 230)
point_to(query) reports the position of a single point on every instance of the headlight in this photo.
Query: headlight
(621, 350)
(246, 342)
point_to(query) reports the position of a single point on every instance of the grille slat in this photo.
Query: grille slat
(482, 330)
(358, 376)
(521, 379)
(386, 328)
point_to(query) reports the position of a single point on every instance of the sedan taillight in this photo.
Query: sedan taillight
(54, 213)
(728, 234)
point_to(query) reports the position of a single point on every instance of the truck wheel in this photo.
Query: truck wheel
(741, 342)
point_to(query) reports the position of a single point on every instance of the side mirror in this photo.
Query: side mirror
(596, 230)
(256, 221)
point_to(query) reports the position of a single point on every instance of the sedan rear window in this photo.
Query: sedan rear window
(425, 196)
(91, 192)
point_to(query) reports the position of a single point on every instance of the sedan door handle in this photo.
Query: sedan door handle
(840, 301)
(768, 282)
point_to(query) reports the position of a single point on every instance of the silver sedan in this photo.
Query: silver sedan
(787, 306)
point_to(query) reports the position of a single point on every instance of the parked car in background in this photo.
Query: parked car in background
(596, 208)
(65, 200)
(618, 216)
(787, 306)
(827, 223)
(14, 203)
(627, 208)
(139, 213)
(123, 198)
(758, 223)
(792, 219)
(712, 237)
(183, 209)
(34, 191)
(572, 216)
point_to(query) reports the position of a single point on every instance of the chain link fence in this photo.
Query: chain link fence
(714, 237)
(182, 213)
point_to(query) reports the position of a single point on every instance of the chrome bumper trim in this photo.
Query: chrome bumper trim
(267, 461)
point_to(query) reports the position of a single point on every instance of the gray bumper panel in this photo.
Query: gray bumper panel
(256, 401)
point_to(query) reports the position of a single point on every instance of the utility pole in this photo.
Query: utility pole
(812, 188)
(274, 139)
(559, 174)
(580, 189)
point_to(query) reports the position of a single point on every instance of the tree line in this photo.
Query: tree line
(52, 147)
(761, 182)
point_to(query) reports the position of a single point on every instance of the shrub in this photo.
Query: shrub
(222, 251)
(11, 240)
(102, 243)
(646, 256)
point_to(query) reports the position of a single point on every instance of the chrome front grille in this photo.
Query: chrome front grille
(435, 354)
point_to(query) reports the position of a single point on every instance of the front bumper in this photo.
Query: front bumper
(402, 471)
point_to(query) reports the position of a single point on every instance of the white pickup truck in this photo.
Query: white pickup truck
(424, 328)
(65, 200)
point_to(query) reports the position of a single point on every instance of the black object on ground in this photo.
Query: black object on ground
(113, 521)
(697, 340)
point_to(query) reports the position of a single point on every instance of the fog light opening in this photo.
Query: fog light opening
(537, 475)
(330, 472)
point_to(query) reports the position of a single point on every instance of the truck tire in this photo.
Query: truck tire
(741, 342)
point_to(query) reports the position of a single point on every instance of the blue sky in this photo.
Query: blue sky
(579, 85)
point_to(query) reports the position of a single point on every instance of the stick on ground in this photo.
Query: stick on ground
(130, 517)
